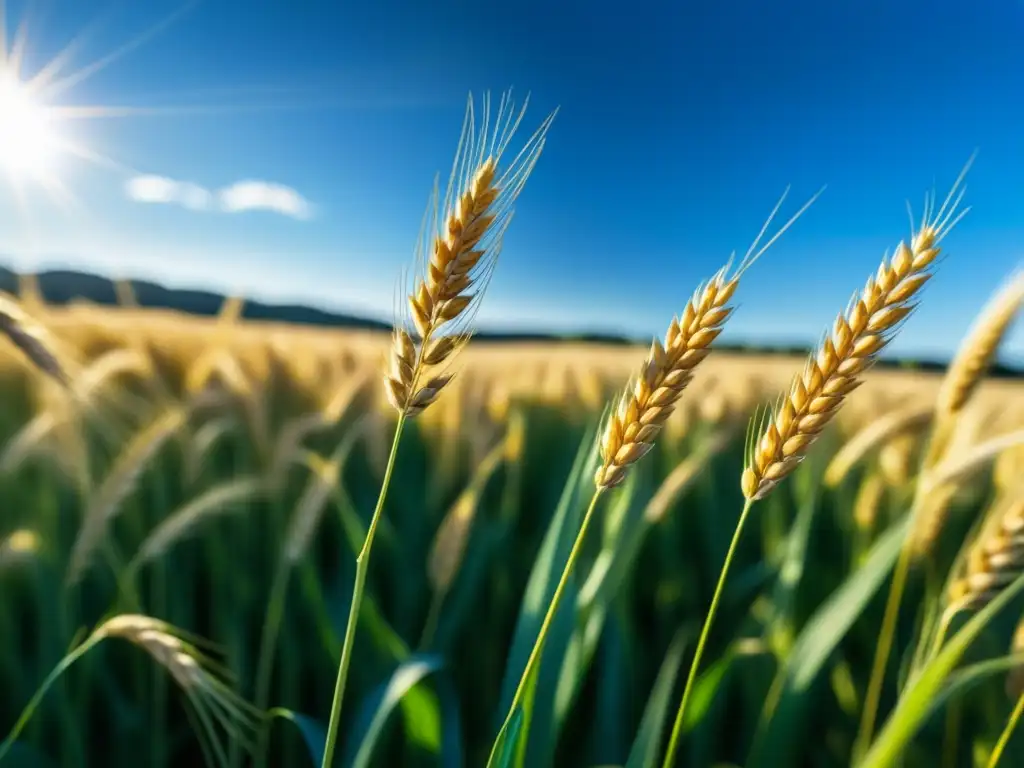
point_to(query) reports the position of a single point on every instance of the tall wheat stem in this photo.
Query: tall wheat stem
(677, 727)
(1004, 739)
(888, 632)
(268, 646)
(362, 564)
(538, 646)
(873, 694)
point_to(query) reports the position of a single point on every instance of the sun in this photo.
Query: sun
(29, 144)
(37, 143)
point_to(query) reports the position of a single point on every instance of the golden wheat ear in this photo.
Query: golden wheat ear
(651, 396)
(218, 713)
(994, 560)
(979, 348)
(457, 252)
(32, 340)
(858, 336)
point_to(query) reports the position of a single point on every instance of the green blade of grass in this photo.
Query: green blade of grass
(786, 710)
(314, 735)
(544, 576)
(378, 706)
(914, 705)
(968, 678)
(647, 745)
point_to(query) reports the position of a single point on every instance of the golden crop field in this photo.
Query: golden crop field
(219, 474)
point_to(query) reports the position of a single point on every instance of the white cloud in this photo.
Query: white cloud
(254, 195)
(248, 195)
(160, 189)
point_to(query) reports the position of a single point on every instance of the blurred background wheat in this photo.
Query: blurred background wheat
(192, 459)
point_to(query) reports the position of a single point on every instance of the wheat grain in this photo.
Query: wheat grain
(994, 560)
(651, 397)
(478, 208)
(858, 336)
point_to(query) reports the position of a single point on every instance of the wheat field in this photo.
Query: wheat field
(217, 475)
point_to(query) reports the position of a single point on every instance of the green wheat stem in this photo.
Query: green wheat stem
(268, 648)
(1004, 739)
(677, 727)
(37, 698)
(885, 640)
(362, 564)
(538, 646)
(873, 694)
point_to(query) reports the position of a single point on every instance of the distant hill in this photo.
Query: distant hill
(64, 286)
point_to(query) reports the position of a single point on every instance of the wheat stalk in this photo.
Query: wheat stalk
(962, 378)
(680, 478)
(86, 388)
(651, 397)
(202, 442)
(449, 545)
(206, 684)
(966, 372)
(979, 348)
(215, 702)
(119, 484)
(836, 370)
(858, 336)
(442, 303)
(178, 524)
(323, 478)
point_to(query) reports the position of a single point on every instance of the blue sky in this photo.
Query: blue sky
(680, 124)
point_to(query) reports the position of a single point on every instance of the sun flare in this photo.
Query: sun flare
(29, 144)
